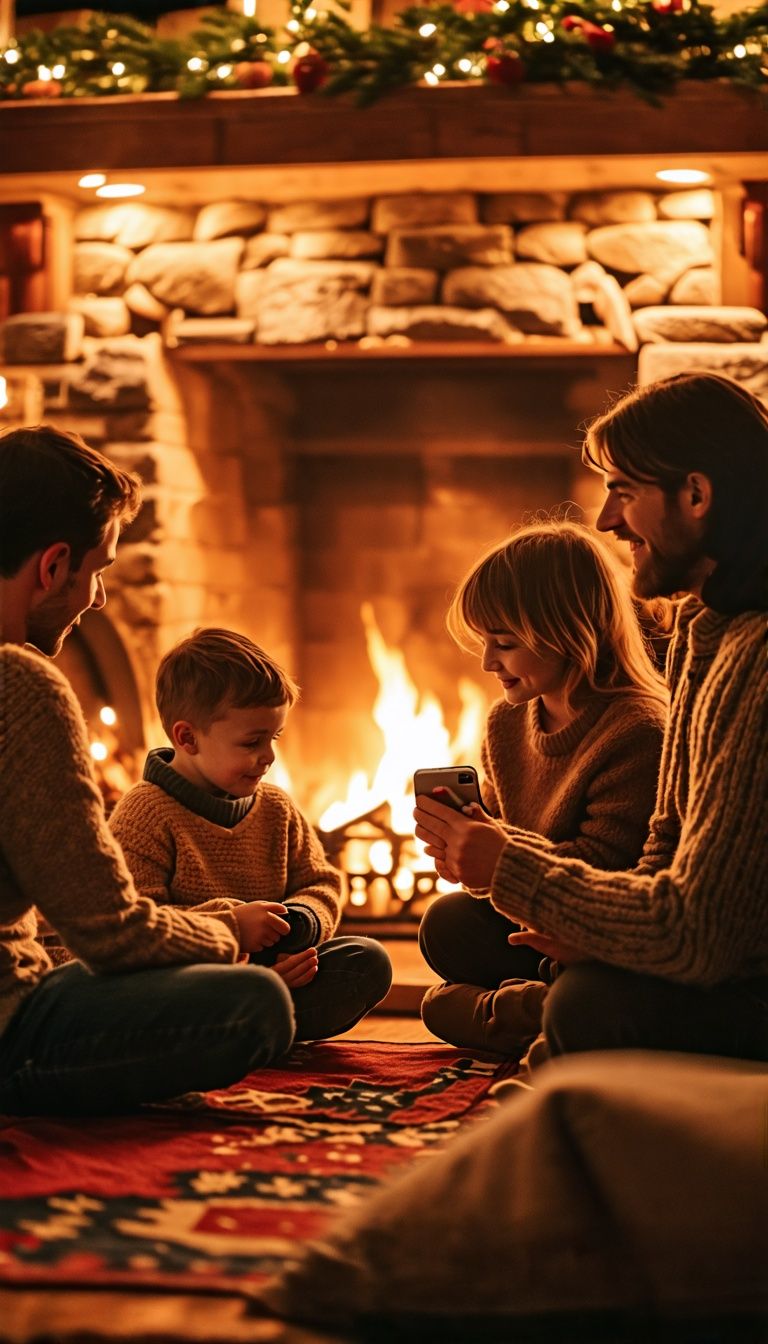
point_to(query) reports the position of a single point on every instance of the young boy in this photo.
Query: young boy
(203, 831)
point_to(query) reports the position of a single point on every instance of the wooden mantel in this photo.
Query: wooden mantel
(280, 127)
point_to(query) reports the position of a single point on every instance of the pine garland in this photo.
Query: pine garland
(648, 45)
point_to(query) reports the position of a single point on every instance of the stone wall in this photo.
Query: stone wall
(437, 266)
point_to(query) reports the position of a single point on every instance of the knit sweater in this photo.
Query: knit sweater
(58, 854)
(694, 909)
(589, 787)
(272, 854)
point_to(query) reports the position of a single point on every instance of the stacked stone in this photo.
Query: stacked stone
(435, 266)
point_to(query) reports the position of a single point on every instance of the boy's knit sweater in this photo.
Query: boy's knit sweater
(694, 910)
(271, 853)
(57, 853)
(588, 788)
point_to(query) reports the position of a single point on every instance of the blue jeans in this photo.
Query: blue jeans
(99, 1044)
(353, 975)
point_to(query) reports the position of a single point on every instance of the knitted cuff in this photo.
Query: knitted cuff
(516, 880)
(305, 929)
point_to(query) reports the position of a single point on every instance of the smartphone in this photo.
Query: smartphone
(460, 782)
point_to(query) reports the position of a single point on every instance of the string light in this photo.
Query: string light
(438, 70)
(108, 716)
(310, 14)
(99, 751)
(224, 71)
(465, 66)
(249, 9)
(501, 6)
(43, 72)
(427, 29)
(739, 51)
(293, 26)
(196, 63)
(59, 71)
(431, 78)
(118, 68)
(92, 180)
(11, 55)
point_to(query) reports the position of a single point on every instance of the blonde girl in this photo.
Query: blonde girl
(571, 755)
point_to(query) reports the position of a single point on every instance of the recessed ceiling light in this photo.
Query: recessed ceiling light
(689, 177)
(92, 180)
(114, 189)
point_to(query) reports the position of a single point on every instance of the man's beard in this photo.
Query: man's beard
(49, 625)
(663, 575)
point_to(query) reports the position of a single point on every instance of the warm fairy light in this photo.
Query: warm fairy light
(310, 14)
(249, 9)
(283, 57)
(403, 882)
(431, 78)
(616, 5)
(108, 716)
(532, 4)
(3, 392)
(224, 71)
(92, 180)
(740, 50)
(427, 29)
(98, 751)
(196, 63)
(465, 66)
(118, 68)
(43, 72)
(59, 71)
(688, 177)
(115, 190)
(303, 49)
(293, 26)
(11, 55)
(501, 6)
(438, 70)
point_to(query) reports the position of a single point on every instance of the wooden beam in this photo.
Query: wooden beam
(280, 127)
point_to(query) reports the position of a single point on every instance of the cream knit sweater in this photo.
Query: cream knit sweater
(589, 788)
(695, 909)
(57, 852)
(271, 855)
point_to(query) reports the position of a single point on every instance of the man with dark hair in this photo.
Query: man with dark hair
(154, 1005)
(674, 954)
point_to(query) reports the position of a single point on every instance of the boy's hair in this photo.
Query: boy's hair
(700, 422)
(53, 487)
(557, 589)
(213, 671)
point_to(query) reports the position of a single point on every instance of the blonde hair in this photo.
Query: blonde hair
(556, 588)
(213, 671)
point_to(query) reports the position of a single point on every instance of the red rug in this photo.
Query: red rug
(216, 1191)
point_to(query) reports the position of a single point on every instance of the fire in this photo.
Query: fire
(414, 735)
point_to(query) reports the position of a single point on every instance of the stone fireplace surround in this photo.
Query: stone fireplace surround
(284, 489)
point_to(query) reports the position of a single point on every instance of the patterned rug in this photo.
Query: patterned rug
(215, 1191)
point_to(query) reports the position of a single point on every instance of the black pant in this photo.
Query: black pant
(592, 1006)
(465, 941)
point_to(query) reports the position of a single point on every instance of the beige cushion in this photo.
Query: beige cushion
(621, 1182)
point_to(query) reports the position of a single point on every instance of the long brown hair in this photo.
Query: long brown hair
(556, 588)
(700, 422)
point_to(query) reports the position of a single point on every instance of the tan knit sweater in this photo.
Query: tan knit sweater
(589, 788)
(57, 853)
(695, 909)
(271, 855)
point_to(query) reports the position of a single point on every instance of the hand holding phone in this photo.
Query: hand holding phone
(453, 785)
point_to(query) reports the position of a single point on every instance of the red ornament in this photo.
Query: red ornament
(599, 39)
(505, 67)
(253, 74)
(668, 6)
(41, 88)
(310, 72)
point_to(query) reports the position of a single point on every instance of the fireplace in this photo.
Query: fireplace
(325, 495)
